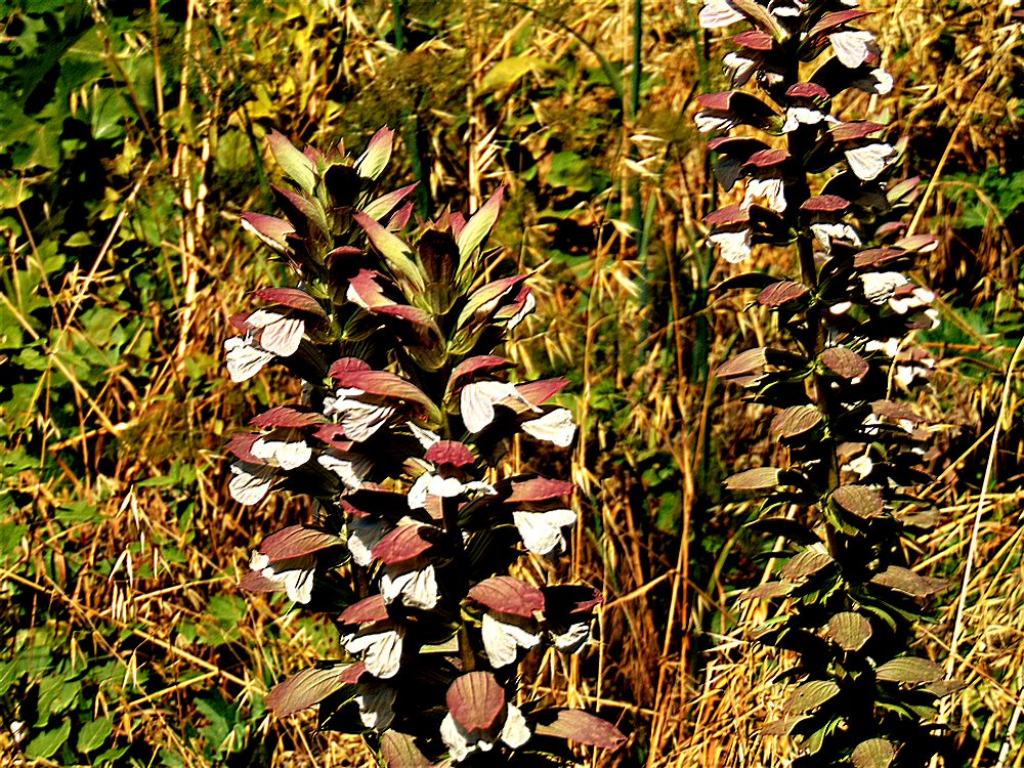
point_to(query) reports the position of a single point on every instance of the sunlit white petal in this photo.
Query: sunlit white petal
(250, 483)
(515, 732)
(381, 651)
(502, 640)
(556, 427)
(541, 532)
(244, 358)
(853, 46)
(734, 246)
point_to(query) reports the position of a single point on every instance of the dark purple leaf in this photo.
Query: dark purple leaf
(906, 581)
(767, 158)
(795, 420)
(400, 751)
(369, 610)
(873, 753)
(450, 453)
(296, 541)
(810, 695)
(286, 417)
(855, 130)
(782, 293)
(825, 204)
(759, 479)
(292, 298)
(405, 543)
(808, 91)
(306, 689)
(580, 727)
(768, 591)
(396, 253)
(831, 21)
(538, 489)
(504, 594)
(877, 257)
(729, 216)
(806, 563)
(270, 229)
(384, 384)
(860, 501)
(472, 366)
(845, 363)
(241, 447)
(384, 204)
(754, 40)
(849, 630)
(744, 364)
(539, 392)
(477, 703)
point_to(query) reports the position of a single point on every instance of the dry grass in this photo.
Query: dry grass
(673, 663)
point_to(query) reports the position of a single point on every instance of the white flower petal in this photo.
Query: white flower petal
(477, 401)
(376, 705)
(529, 304)
(880, 286)
(456, 739)
(717, 14)
(417, 589)
(708, 122)
(351, 471)
(244, 358)
(574, 638)
(298, 584)
(772, 191)
(283, 337)
(426, 438)
(288, 455)
(868, 162)
(381, 651)
(542, 531)
(739, 68)
(417, 496)
(853, 46)
(363, 536)
(251, 483)
(797, 116)
(556, 427)
(735, 246)
(502, 640)
(515, 732)
(824, 234)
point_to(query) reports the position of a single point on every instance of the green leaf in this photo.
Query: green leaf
(94, 734)
(873, 753)
(909, 669)
(849, 630)
(479, 226)
(294, 163)
(46, 744)
(508, 72)
(809, 696)
(395, 252)
(108, 111)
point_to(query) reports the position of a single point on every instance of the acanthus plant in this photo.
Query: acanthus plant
(405, 415)
(819, 183)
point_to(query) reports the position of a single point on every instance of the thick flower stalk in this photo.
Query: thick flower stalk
(405, 415)
(808, 177)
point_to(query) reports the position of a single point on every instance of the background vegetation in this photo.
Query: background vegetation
(131, 137)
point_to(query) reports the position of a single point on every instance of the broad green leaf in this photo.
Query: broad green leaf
(94, 734)
(294, 163)
(479, 226)
(375, 159)
(46, 744)
(396, 253)
(508, 72)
